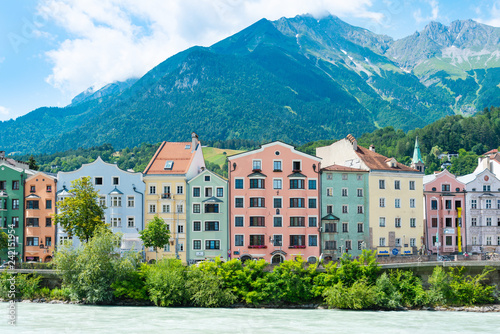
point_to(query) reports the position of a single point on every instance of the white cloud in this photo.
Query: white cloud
(4, 112)
(117, 39)
(417, 15)
(494, 16)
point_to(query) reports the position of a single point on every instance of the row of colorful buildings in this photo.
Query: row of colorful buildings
(277, 203)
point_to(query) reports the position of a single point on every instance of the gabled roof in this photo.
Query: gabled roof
(44, 174)
(330, 217)
(180, 153)
(491, 152)
(339, 168)
(376, 161)
(207, 171)
(99, 161)
(274, 143)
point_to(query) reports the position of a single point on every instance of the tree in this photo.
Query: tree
(156, 234)
(4, 240)
(80, 215)
(32, 163)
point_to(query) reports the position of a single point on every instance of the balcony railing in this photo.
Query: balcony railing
(257, 246)
(165, 196)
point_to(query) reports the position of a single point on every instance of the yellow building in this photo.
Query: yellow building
(165, 177)
(396, 207)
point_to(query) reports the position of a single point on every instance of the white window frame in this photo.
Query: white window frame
(131, 219)
(280, 180)
(131, 199)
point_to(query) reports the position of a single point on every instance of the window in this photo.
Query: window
(498, 203)
(116, 222)
(196, 208)
(344, 192)
(329, 192)
(313, 221)
(3, 185)
(277, 184)
(312, 203)
(296, 166)
(488, 204)
(277, 203)
(313, 240)
(360, 227)
(116, 180)
(169, 164)
(434, 221)
(207, 178)
(345, 227)
(344, 176)
(32, 241)
(412, 202)
(397, 203)
(359, 177)
(48, 204)
(447, 204)
(397, 184)
(98, 181)
(381, 221)
(473, 204)
(359, 192)
(166, 208)
(257, 202)
(212, 244)
(381, 184)
(29, 205)
(166, 248)
(256, 240)
(413, 222)
(212, 226)
(488, 241)
(48, 222)
(296, 202)
(180, 228)
(32, 222)
(278, 240)
(329, 209)
(196, 192)
(473, 221)
(166, 192)
(297, 241)
(238, 221)
(130, 201)
(412, 185)
(297, 221)
(331, 227)
(15, 185)
(220, 192)
(130, 221)
(257, 183)
(257, 165)
(413, 242)
(381, 242)
(381, 202)
(180, 208)
(445, 187)
(360, 245)
(312, 184)
(397, 222)
(15, 221)
(449, 240)
(348, 245)
(277, 165)
(238, 184)
(48, 241)
(152, 208)
(488, 221)
(434, 204)
(296, 184)
(278, 221)
(331, 245)
(152, 190)
(474, 240)
(116, 201)
(196, 226)
(448, 222)
(238, 202)
(196, 244)
(180, 190)
(257, 221)
(238, 240)
(486, 187)
(398, 242)
(329, 176)
(64, 240)
(360, 209)
(345, 208)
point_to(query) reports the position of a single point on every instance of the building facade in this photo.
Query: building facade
(396, 196)
(443, 196)
(166, 179)
(120, 192)
(274, 204)
(482, 220)
(40, 204)
(207, 227)
(344, 211)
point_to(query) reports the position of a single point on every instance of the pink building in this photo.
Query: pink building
(274, 201)
(443, 195)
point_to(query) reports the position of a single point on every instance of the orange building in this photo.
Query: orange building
(39, 233)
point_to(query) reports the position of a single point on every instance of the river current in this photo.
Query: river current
(64, 318)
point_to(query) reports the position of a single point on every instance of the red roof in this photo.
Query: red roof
(179, 153)
(491, 152)
(339, 168)
(376, 161)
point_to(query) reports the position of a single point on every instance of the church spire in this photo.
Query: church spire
(417, 162)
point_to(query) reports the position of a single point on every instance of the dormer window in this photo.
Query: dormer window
(187, 147)
(169, 165)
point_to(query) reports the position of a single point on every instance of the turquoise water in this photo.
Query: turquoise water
(64, 318)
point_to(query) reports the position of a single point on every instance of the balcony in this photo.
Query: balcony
(166, 196)
(257, 246)
(297, 246)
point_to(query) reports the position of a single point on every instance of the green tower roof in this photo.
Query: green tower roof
(417, 157)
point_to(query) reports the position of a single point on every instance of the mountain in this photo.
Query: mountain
(109, 89)
(295, 79)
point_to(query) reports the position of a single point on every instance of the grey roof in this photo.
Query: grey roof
(212, 200)
(115, 192)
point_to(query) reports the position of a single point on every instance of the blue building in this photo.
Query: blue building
(121, 192)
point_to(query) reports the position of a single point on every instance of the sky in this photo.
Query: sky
(51, 50)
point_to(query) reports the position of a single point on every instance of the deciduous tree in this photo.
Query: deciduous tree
(156, 234)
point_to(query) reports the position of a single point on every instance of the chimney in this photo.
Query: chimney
(353, 141)
(2, 154)
(194, 141)
(372, 148)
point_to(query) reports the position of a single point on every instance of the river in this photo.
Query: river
(65, 318)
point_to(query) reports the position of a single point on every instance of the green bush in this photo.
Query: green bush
(468, 290)
(359, 296)
(28, 285)
(60, 294)
(44, 292)
(439, 292)
(165, 282)
(205, 289)
(133, 286)
(5, 284)
(388, 295)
